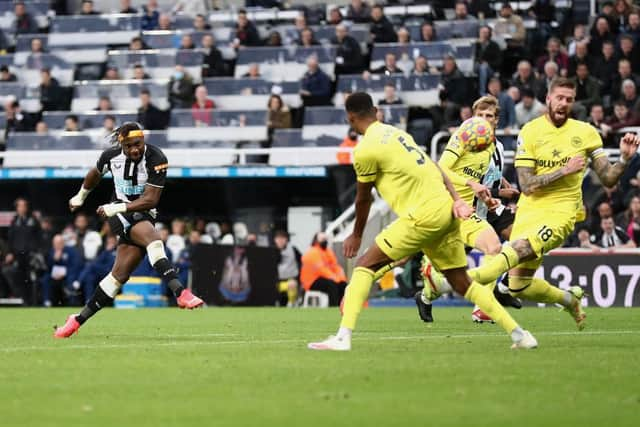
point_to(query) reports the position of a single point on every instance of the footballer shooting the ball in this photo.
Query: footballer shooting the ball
(139, 172)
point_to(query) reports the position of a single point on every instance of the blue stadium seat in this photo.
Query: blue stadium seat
(284, 64)
(72, 30)
(456, 29)
(87, 120)
(159, 64)
(124, 95)
(412, 90)
(55, 141)
(250, 94)
(323, 33)
(287, 138)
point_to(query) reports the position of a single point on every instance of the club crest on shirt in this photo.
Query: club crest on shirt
(576, 141)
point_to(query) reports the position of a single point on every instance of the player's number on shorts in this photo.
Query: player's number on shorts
(409, 149)
(545, 233)
(475, 218)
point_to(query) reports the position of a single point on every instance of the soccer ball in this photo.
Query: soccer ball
(475, 134)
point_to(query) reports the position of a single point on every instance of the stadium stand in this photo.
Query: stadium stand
(61, 64)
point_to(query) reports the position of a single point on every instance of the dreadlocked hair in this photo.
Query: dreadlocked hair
(121, 133)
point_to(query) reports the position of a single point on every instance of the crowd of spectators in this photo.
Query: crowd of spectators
(51, 264)
(509, 62)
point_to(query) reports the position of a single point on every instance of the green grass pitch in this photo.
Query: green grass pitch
(250, 367)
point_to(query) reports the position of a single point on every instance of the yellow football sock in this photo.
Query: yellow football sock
(536, 289)
(381, 272)
(483, 297)
(355, 295)
(486, 259)
(292, 293)
(491, 270)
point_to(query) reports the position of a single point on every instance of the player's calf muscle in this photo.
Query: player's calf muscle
(458, 279)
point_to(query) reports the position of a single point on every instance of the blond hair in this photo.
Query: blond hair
(484, 103)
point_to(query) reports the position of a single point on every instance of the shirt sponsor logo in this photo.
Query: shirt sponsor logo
(551, 164)
(472, 173)
(161, 167)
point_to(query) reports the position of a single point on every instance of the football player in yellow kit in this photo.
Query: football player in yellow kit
(466, 169)
(428, 209)
(551, 158)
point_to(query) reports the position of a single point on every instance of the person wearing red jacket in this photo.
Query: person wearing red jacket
(201, 110)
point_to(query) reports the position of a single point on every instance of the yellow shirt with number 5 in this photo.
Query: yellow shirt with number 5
(404, 175)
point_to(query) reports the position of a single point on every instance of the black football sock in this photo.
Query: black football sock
(164, 268)
(99, 300)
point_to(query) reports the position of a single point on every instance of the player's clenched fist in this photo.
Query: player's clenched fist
(111, 209)
(575, 164)
(76, 201)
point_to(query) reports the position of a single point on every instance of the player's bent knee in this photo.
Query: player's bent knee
(156, 252)
(488, 242)
(518, 284)
(493, 248)
(524, 249)
(110, 285)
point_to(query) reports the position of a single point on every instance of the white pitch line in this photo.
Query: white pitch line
(291, 341)
(500, 334)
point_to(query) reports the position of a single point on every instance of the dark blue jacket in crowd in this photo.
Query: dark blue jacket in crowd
(318, 83)
(70, 259)
(99, 267)
(507, 111)
(149, 22)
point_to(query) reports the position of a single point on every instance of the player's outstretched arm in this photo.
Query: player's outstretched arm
(530, 182)
(363, 205)
(610, 173)
(447, 163)
(149, 199)
(90, 182)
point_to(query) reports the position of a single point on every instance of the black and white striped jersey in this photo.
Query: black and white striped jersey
(492, 178)
(497, 164)
(129, 177)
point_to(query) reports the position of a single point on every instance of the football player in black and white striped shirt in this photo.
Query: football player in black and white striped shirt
(139, 172)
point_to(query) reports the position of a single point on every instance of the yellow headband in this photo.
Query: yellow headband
(132, 134)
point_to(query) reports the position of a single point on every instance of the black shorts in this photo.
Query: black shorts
(121, 224)
(501, 222)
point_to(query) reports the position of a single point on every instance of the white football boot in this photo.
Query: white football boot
(332, 343)
(527, 342)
